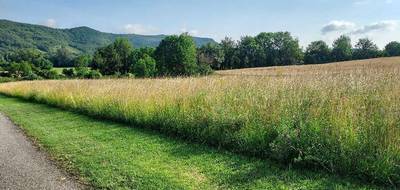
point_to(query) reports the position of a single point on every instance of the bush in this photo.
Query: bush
(93, 74)
(32, 76)
(49, 74)
(81, 72)
(145, 67)
(68, 72)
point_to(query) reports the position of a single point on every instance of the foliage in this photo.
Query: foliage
(278, 48)
(231, 57)
(317, 52)
(28, 64)
(63, 57)
(114, 58)
(68, 72)
(342, 49)
(145, 67)
(82, 61)
(93, 74)
(365, 49)
(211, 54)
(176, 56)
(393, 49)
(80, 40)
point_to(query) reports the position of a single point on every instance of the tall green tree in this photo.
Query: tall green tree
(392, 49)
(63, 57)
(342, 49)
(114, 59)
(145, 67)
(211, 54)
(248, 52)
(278, 48)
(230, 51)
(365, 49)
(317, 52)
(176, 56)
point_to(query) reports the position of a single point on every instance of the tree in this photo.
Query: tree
(145, 67)
(342, 49)
(176, 56)
(392, 49)
(211, 54)
(82, 61)
(248, 52)
(62, 58)
(365, 49)
(38, 61)
(278, 48)
(114, 58)
(20, 70)
(317, 52)
(229, 48)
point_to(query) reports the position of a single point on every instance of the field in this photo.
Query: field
(108, 155)
(341, 117)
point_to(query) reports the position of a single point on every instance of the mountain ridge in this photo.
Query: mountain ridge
(80, 40)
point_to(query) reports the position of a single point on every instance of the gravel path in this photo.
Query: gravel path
(22, 166)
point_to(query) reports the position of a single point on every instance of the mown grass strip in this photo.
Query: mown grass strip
(115, 156)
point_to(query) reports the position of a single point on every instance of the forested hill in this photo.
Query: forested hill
(15, 35)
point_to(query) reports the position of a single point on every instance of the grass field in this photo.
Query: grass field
(115, 156)
(341, 117)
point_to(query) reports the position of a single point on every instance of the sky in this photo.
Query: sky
(307, 20)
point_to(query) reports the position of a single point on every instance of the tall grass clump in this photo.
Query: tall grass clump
(345, 121)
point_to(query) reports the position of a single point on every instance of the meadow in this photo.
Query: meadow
(341, 117)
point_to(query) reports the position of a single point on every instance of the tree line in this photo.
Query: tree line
(280, 48)
(177, 55)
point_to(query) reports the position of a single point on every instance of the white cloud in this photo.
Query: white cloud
(335, 26)
(139, 29)
(50, 23)
(378, 26)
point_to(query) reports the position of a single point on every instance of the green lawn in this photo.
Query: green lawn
(116, 156)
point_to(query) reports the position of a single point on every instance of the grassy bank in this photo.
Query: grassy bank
(342, 118)
(115, 156)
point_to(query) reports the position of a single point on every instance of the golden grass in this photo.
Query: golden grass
(344, 117)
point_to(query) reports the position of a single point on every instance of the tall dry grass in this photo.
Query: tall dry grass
(343, 118)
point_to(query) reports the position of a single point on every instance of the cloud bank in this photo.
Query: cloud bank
(378, 26)
(336, 25)
(351, 29)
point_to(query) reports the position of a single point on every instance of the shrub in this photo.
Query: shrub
(93, 74)
(68, 72)
(145, 67)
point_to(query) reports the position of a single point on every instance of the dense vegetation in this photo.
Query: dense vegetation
(341, 117)
(109, 155)
(80, 40)
(278, 49)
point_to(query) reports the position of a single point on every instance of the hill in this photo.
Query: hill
(15, 35)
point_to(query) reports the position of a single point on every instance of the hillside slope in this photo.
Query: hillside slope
(15, 35)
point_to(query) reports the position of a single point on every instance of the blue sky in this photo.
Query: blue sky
(307, 20)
